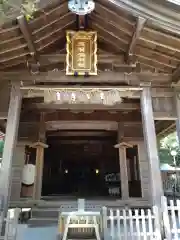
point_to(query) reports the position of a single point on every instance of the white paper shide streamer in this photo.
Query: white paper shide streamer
(83, 96)
(28, 174)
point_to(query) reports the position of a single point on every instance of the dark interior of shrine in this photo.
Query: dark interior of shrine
(86, 164)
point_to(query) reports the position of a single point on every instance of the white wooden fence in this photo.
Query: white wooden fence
(136, 224)
(123, 224)
(171, 218)
(11, 227)
(12, 224)
(131, 224)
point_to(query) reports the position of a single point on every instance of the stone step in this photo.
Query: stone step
(42, 222)
(45, 213)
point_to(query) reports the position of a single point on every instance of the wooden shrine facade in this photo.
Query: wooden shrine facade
(138, 53)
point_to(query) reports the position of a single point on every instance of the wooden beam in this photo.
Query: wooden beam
(134, 79)
(27, 36)
(139, 27)
(164, 116)
(82, 107)
(71, 134)
(65, 115)
(38, 91)
(176, 75)
(45, 59)
(106, 62)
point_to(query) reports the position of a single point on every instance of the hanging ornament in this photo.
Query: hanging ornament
(81, 7)
(28, 173)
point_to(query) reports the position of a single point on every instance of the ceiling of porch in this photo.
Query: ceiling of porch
(126, 42)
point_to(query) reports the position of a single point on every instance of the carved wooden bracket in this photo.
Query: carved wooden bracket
(123, 144)
(38, 144)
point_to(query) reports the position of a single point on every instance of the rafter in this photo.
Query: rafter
(144, 40)
(111, 25)
(53, 36)
(139, 27)
(27, 36)
(52, 26)
(110, 15)
(176, 75)
(110, 37)
(158, 16)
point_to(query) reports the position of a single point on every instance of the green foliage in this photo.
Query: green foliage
(166, 145)
(28, 8)
(11, 9)
(1, 147)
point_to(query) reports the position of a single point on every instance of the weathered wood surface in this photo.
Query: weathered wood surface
(17, 168)
(111, 77)
(9, 146)
(39, 145)
(163, 108)
(126, 223)
(152, 45)
(151, 146)
(144, 170)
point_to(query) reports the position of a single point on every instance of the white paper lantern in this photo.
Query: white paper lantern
(28, 174)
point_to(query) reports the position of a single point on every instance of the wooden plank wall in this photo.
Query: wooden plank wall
(17, 167)
(144, 171)
(164, 108)
(132, 131)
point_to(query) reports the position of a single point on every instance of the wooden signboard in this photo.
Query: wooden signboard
(81, 58)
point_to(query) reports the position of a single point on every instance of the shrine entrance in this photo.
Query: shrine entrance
(85, 163)
(78, 162)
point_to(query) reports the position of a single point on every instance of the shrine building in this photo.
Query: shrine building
(84, 98)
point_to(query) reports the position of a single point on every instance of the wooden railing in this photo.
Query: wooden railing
(111, 223)
(11, 224)
(131, 224)
(171, 186)
(136, 224)
(171, 218)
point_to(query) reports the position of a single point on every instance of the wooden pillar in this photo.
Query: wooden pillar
(39, 169)
(123, 163)
(123, 173)
(9, 146)
(151, 145)
(177, 101)
(40, 146)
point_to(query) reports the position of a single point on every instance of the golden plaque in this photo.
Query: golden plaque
(81, 57)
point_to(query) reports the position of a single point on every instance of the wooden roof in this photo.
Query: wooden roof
(123, 36)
